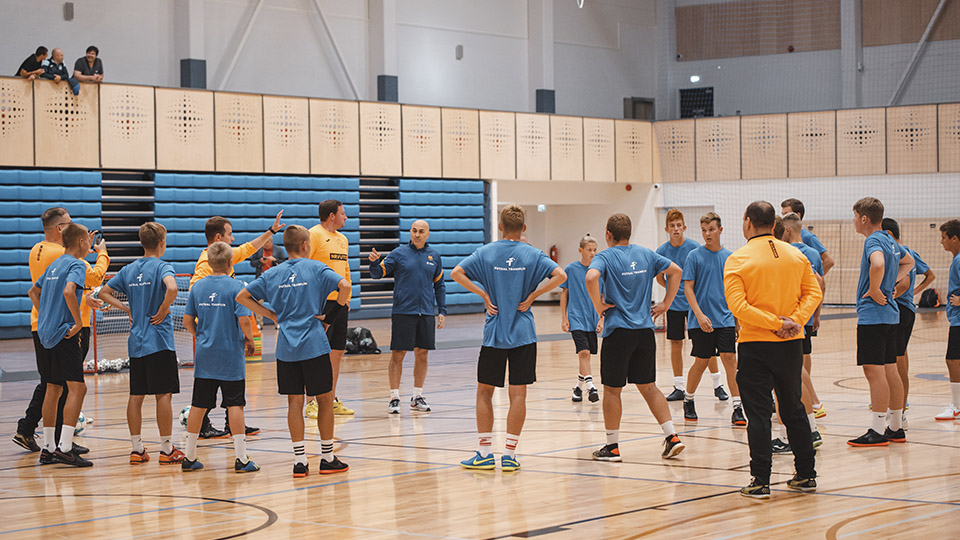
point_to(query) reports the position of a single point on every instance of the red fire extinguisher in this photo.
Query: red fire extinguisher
(555, 253)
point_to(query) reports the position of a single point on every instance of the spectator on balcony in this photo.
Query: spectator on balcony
(89, 68)
(56, 71)
(32, 67)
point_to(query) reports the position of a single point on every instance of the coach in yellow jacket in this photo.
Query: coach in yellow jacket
(772, 291)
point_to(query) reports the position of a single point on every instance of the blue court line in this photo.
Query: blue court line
(130, 514)
(898, 522)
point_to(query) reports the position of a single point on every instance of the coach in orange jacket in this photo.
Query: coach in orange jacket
(772, 291)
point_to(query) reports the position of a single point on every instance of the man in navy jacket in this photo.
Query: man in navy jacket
(419, 308)
(54, 69)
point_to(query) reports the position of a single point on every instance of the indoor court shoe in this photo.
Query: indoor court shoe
(137, 458)
(509, 464)
(609, 452)
(71, 458)
(895, 436)
(419, 404)
(676, 395)
(246, 429)
(340, 409)
(802, 484)
(950, 413)
(81, 449)
(593, 395)
(189, 466)
(300, 470)
(870, 438)
(721, 393)
(484, 463)
(671, 446)
(821, 412)
(311, 410)
(737, 418)
(249, 466)
(689, 411)
(903, 420)
(174, 457)
(817, 439)
(394, 406)
(780, 447)
(46, 457)
(577, 395)
(27, 442)
(756, 490)
(210, 432)
(333, 467)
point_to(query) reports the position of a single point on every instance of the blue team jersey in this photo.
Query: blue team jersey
(705, 269)
(627, 274)
(142, 282)
(297, 291)
(816, 263)
(868, 311)
(678, 255)
(54, 319)
(953, 288)
(509, 271)
(811, 240)
(919, 267)
(219, 352)
(580, 312)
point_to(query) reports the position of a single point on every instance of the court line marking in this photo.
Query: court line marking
(898, 522)
(191, 528)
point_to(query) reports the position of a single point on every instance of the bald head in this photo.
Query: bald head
(56, 55)
(419, 232)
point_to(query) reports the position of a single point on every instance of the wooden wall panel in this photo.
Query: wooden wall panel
(763, 143)
(498, 145)
(184, 130)
(334, 137)
(676, 148)
(239, 132)
(636, 158)
(127, 127)
(599, 154)
(812, 139)
(533, 147)
(380, 141)
(16, 122)
(861, 142)
(566, 148)
(912, 139)
(718, 148)
(286, 135)
(890, 22)
(67, 126)
(421, 141)
(949, 139)
(461, 143)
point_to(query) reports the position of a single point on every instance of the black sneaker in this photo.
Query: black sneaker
(27, 442)
(756, 490)
(738, 419)
(300, 470)
(593, 395)
(81, 450)
(689, 411)
(71, 458)
(332, 467)
(780, 447)
(672, 446)
(577, 395)
(802, 484)
(46, 457)
(246, 431)
(870, 438)
(895, 436)
(610, 452)
(676, 395)
(210, 432)
(721, 393)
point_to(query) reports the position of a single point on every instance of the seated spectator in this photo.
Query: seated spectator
(55, 70)
(32, 67)
(89, 68)
(267, 257)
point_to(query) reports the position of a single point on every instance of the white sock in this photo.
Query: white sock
(191, 450)
(737, 402)
(510, 445)
(588, 379)
(240, 447)
(49, 438)
(137, 442)
(678, 383)
(812, 418)
(581, 382)
(716, 379)
(326, 450)
(485, 445)
(878, 421)
(895, 419)
(687, 396)
(166, 444)
(417, 392)
(817, 406)
(299, 453)
(955, 391)
(613, 436)
(668, 428)
(394, 393)
(66, 439)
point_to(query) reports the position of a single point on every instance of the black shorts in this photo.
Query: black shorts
(312, 377)
(953, 343)
(64, 363)
(43, 358)
(337, 331)
(628, 355)
(676, 325)
(709, 344)
(585, 341)
(84, 342)
(154, 374)
(904, 330)
(807, 342)
(492, 365)
(205, 393)
(409, 332)
(876, 344)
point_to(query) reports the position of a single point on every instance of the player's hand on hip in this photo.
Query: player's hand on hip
(488, 303)
(73, 331)
(94, 303)
(160, 315)
(955, 299)
(600, 326)
(525, 305)
(705, 324)
(374, 255)
(877, 296)
(441, 319)
(658, 309)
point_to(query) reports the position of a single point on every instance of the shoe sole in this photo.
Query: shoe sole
(739, 424)
(240, 471)
(510, 469)
(132, 462)
(575, 400)
(937, 418)
(334, 471)
(753, 496)
(479, 467)
(595, 400)
(818, 444)
(674, 451)
(862, 445)
(299, 475)
(819, 415)
(616, 459)
(257, 432)
(903, 440)
(414, 409)
(393, 412)
(75, 464)
(803, 489)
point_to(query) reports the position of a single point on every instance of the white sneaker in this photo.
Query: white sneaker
(903, 420)
(950, 413)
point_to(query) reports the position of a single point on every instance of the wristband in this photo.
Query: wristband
(272, 231)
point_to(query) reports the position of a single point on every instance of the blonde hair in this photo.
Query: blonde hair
(72, 234)
(293, 237)
(587, 239)
(711, 216)
(220, 255)
(512, 218)
(791, 220)
(151, 234)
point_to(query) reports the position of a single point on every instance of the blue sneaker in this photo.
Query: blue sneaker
(509, 464)
(480, 462)
(249, 466)
(186, 465)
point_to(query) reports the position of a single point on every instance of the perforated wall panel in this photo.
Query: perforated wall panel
(380, 153)
(498, 145)
(16, 122)
(635, 153)
(239, 128)
(184, 130)
(461, 143)
(675, 144)
(334, 137)
(67, 126)
(421, 141)
(861, 142)
(127, 127)
(718, 148)
(949, 123)
(286, 135)
(912, 139)
(599, 159)
(812, 147)
(763, 146)
(566, 148)
(533, 147)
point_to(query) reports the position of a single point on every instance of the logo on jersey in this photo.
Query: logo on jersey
(633, 265)
(293, 277)
(633, 270)
(213, 297)
(140, 276)
(338, 256)
(510, 261)
(510, 267)
(140, 282)
(53, 271)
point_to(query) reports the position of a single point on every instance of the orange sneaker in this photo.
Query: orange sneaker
(136, 458)
(174, 457)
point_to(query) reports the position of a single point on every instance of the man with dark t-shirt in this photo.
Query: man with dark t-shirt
(32, 67)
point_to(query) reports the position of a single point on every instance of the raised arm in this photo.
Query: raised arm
(261, 240)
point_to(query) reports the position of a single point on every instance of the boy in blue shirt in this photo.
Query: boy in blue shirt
(508, 272)
(223, 329)
(950, 240)
(150, 287)
(296, 292)
(629, 352)
(710, 323)
(56, 296)
(580, 319)
(882, 265)
(806, 236)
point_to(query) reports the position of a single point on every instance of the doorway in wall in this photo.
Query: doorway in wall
(636, 108)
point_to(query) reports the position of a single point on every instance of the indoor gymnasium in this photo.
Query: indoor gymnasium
(473, 270)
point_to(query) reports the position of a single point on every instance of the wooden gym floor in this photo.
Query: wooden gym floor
(405, 481)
